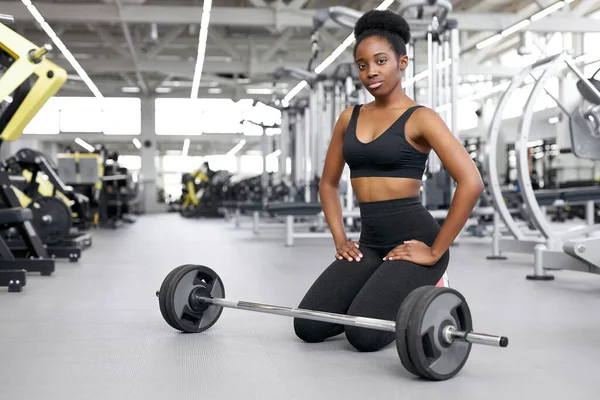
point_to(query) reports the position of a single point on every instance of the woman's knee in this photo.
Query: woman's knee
(368, 340)
(315, 331)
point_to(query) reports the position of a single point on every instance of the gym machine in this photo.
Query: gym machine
(27, 81)
(433, 327)
(573, 249)
(13, 279)
(60, 215)
(104, 181)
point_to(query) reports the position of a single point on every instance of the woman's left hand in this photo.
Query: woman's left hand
(414, 251)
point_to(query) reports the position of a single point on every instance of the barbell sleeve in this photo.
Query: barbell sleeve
(451, 334)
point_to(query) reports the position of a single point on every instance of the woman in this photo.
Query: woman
(386, 144)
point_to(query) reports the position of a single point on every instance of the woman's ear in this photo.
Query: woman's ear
(403, 62)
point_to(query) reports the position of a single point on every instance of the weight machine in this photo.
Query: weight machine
(60, 215)
(573, 249)
(28, 80)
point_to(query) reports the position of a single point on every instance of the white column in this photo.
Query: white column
(148, 152)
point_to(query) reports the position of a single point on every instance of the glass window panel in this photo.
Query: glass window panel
(194, 117)
(467, 119)
(272, 163)
(181, 164)
(222, 162)
(122, 116)
(81, 114)
(555, 44)
(177, 117)
(250, 164)
(47, 120)
(132, 163)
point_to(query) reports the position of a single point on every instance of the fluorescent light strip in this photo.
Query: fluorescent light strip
(201, 48)
(329, 60)
(522, 24)
(186, 147)
(488, 42)
(425, 73)
(137, 143)
(259, 91)
(295, 90)
(516, 27)
(236, 148)
(547, 11)
(61, 46)
(336, 53)
(385, 4)
(84, 144)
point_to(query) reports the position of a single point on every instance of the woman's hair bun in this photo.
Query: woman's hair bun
(383, 20)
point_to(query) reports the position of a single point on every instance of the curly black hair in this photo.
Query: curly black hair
(384, 24)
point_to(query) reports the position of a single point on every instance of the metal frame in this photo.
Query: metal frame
(521, 243)
(550, 250)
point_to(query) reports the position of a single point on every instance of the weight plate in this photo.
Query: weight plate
(180, 288)
(52, 219)
(162, 296)
(432, 357)
(401, 325)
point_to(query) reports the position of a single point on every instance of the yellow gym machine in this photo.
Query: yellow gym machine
(27, 81)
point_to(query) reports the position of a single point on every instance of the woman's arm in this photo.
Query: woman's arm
(330, 179)
(461, 168)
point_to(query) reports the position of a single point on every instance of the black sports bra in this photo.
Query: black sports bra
(388, 155)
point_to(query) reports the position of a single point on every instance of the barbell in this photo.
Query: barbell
(433, 325)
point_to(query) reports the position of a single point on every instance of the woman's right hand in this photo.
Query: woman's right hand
(348, 250)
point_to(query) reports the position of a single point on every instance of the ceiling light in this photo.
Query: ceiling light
(61, 46)
(85, 145)
(130, 89)
(236, 148)
(186, 147)
(201, 47)
(547, 11)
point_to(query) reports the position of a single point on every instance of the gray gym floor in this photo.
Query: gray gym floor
(93, 330)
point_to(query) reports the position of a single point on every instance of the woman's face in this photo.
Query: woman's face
(379, 67)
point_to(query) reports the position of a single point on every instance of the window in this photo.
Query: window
(272, 163)
(196, 116)
(177, 117)
(181, 164)
(132, 163)
(122, 116)
(46, 121)
(514, 59)
(81, 114)
(590, 45)
(590, 69)
(555, 44)
(467, 119)
(111, 115)
(222, 162)
(544, 101)
(251, 164)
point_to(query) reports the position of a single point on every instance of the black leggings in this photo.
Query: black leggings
(373, 287)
